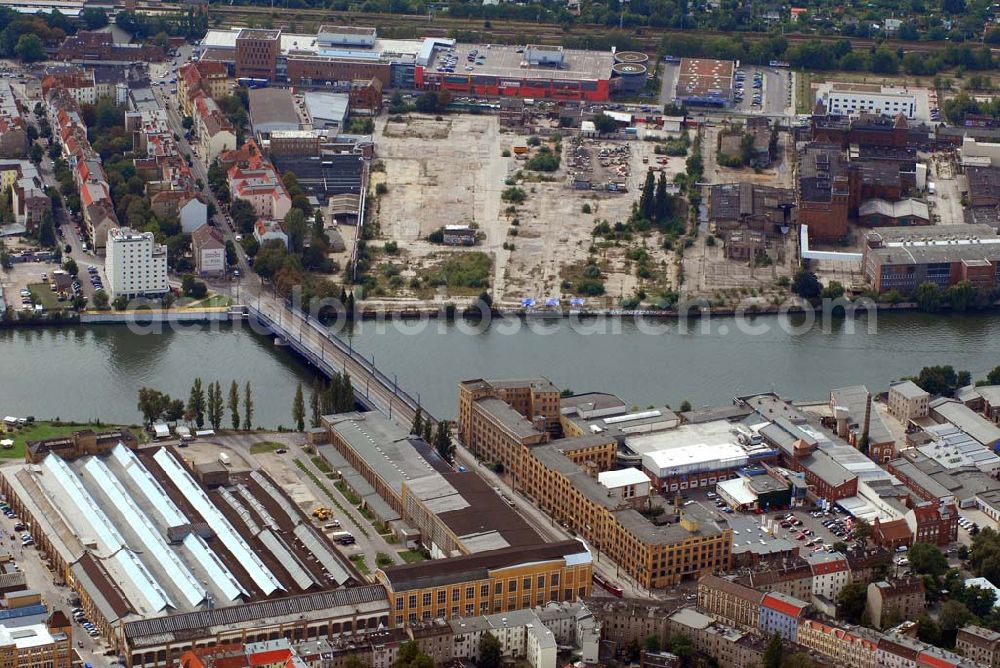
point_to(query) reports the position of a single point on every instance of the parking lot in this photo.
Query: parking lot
(756, 90)
(20, 545)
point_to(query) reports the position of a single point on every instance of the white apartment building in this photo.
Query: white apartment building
(135, 264)
(853, 99)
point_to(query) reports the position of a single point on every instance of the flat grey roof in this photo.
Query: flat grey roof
(968, 421)
(507, 416)
(908, 389)
(386, 447)
(828, 470)
(505, 61)
(272, 105)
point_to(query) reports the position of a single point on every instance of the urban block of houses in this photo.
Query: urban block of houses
(256, 181)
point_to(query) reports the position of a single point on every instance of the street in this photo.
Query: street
(41, 579)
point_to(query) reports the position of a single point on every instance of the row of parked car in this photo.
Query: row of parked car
(81, 618)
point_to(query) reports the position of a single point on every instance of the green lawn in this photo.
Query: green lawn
(214, 301)
(359, 562)
(411, 556)
(42, 294)
(35, 432)
(804, 102)
(264, 446)
(321, 464)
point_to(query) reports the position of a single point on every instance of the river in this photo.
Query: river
(81, 373)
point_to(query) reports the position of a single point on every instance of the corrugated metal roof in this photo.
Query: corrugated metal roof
(250, 612)
(196, 496)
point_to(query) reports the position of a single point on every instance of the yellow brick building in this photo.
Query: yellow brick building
(560, 476)
(489, 582)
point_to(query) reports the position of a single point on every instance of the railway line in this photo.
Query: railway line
(513, 31)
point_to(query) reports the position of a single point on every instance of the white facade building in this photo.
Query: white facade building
(193, 215)
(135, 264)
(853, 99)
(625, 484)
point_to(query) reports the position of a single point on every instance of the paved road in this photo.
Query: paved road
(41, 579)
(369, 545)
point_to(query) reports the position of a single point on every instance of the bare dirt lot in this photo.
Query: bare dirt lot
(460, 171)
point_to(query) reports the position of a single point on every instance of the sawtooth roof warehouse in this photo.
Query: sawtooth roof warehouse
(163, 561)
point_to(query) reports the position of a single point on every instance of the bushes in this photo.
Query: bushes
(514, 195)
(543, 161)
(465, 270)
(590, 287)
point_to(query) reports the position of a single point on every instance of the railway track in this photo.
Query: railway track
(511, 32)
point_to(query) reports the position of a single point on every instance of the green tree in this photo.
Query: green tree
(94, 18)
(296, 229)
(427, 103)
(647, 200)
(773, 653)
(443, 442)
(299, 409)
(410, 656)
(927, 559)
(652, 643)
(247, 407)
(685, 406)
(806, 285)
(604, 124)
(833, 290)
(953, 615)
(417, 427)
(993, 377)
(681, 645)
(851, 602)
(152, 404)
(941, 379)
(663, 206)
(962, 296)
(234, 404)
(314, 407)
(120, 303)
(862, 530)
(928, 629)
(101, 300)
(71, 268)
(30, 48)
(215, 405)
(490, 652)
(978, 600)
(928, 297)
(196, 403)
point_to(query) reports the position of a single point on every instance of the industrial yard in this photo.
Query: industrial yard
(535, 226)
(151, 532)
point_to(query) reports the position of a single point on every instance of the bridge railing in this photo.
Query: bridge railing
(343, 347)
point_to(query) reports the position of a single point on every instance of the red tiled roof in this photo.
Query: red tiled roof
(783, 606)
(269, 657)
(830, 566)
(894, 530)
(925, 513)
(925, 659)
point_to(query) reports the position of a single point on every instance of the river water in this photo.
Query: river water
(81, 373)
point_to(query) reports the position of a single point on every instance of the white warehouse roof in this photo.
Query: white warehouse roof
(695, 457)
(622, 478)
(737, 490)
